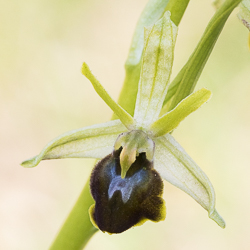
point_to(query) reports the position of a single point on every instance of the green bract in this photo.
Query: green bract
(133, 147)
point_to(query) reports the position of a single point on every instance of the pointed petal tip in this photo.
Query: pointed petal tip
(86, 71)
(206, 93)
(214, 215)
(30, 163)
(84, 68)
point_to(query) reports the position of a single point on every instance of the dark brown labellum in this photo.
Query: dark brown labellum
(123, 203)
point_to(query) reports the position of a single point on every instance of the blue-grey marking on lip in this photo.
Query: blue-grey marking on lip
(125, 185)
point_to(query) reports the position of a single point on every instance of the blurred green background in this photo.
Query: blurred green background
(43, 94)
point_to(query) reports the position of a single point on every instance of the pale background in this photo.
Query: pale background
(43, 94)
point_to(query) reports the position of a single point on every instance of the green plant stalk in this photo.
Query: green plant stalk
(186, 80)
(129, 90)
(77, 229)
(177, 9)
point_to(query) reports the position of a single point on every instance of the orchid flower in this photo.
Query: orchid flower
(138, 152)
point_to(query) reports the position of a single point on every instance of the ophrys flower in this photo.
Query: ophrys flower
(138, 151)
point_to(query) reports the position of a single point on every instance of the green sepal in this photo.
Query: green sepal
(123, 115)
(176, 166)
(90, 142)
(156, 69)
(172, 119)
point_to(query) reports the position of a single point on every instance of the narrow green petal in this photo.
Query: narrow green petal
(95, 141)
(125, 117)
(176, 166)
(172, 119)
(244, 14)
(156, 70)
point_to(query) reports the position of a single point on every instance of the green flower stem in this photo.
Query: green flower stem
(130, 88)
(185, 81)
(177, 9)
(77, 229)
